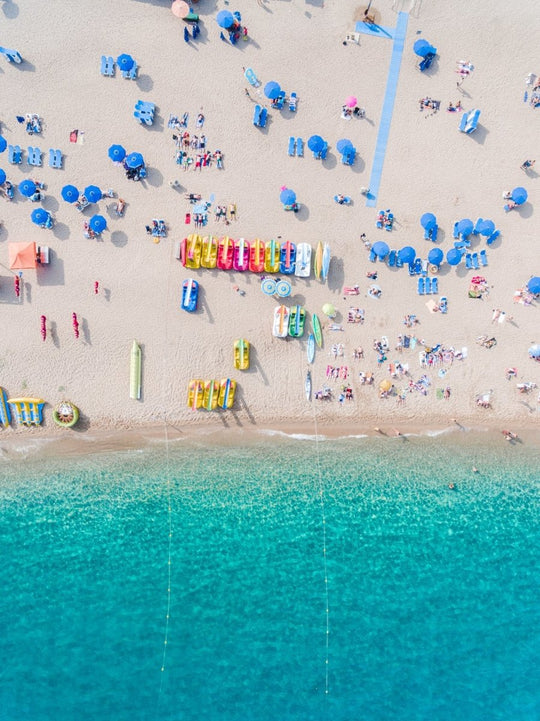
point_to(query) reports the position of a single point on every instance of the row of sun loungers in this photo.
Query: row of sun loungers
(428, 285)
(296, 146)
(475, 260)
(108, 66)
(15, 156)
(260, 116)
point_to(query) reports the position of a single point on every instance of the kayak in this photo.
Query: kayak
(317, 331)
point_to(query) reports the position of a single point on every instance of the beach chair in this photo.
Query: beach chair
(263, 118)
(468, 260)
(493, 237)
(349, 156)
(300, 147)
(34, 156)
(292, 146)
(392, 259)
(477, 226)
(421, 285)
(14, 154)
(322, 154)
(483, 257)
(427, 233)
(380, 218)
(433, 233)
(418, 266)
(424, 267)
(463, 122)
(475, 262)
(472, 121)
(278, 102)
(443, 304)
(389, 223)
(372, 256)
(455, 233)
(292, 102)
(107, 66)
(459, 244)
(426, 62)
(412, 270)
(399, 262)
(143, 118)
(55, 158)
(427, 285)
(435, 285)
(257, 115)
(352, 38)
(130, 74)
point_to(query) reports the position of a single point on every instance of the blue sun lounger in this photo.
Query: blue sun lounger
(427, 285)
(421, 285)
(455, 234)
(14, 154)
(483, 257)
(372, 256)
(477, 226)
(55, 158)
(257, 115)
(130, 74)
(435, 285)
(324, 150)
(412, 271)
(463, 123)
(292, 146)
(300, 147)
(263, 117)
(392, 259)
(493, 237)
(292, 102)
(418, 266)
(475, 262)
(34, 156)
(107, 66)
(468, 260)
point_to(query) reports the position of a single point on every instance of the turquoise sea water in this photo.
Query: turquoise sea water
(430, 596)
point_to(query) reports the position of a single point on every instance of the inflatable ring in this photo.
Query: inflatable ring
(65, 414)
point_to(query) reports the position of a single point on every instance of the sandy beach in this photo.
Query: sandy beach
(428, 166)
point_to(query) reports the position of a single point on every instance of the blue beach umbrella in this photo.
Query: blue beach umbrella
(92, 193)
(486, 227)
(225, 19)
(97, 223)
(117, 153)
(134, 160)
(428, 220)
(519, 196)
(315, 143)
(533, 286)
(343, 145)
(407, 254)
(272, 90)
(287, 196)
(454, 256)
(3, 143)
(423, 48)
(70, 193)
(465, 226)
(2, 176)
(27, 188)
(380, 248)
(435, 256)
(534, 351)
(125, 62)
(39, 216)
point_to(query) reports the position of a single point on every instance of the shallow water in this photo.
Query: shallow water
(429, 595)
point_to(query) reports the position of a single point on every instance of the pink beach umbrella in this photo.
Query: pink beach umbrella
(351, 101)
(43, 327)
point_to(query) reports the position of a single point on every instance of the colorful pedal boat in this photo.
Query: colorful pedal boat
(195, 394)
(209, 252)
(241, 255)
(271, 257)
(226, 393)
(190, 295)
(241, 354)
(256, 256)
(297, 319)
(303, 260)
(225, 253)
(281, 321)
(211, 395)
(193, 251)
(287, 258)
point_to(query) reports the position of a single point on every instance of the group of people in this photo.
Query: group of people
(356, 112)
(32, 123)
(201, 160)
(158, 229)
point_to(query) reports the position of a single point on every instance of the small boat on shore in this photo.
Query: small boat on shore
(225, 253)
(241, 255)
(281, 321)
(310, 348)
(317, 331)
(256, 256)
(195, 394)
(27, 411)
(297, 319)
(287, 257)
(193, 251)
(303, 260)
(271, 257)
(190, 295)
(209, 252)
(5, 413)
(211, 395)
(65, 414)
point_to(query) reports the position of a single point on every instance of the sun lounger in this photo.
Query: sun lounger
(292, 102)
(34, 156)
(55, 158)
(399, 262)
(468, 260)
(257, 114)
(12, 56)
(278, 102)
(300, 147)
(348, 157)
(443, 304)
(412, 270)
(392, 258)
(463, 122)
(380, 218)
(475, 262)
(477, 226)
(14, 154)
(292, 146)
(324, 150)
(483, 257)
(434, 232)
(435, 285)
(421, 285)
(107, 66)
(472, 121)
(455, 233)
(130, 74)
(493, 237)
(372, 256)
(425, 64)
(263, 117)
(418, 266)
(143, 118)
(424, 266)
(427, 285)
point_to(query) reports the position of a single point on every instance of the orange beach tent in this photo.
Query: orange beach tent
(22, 255)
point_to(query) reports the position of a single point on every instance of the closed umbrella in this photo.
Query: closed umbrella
(225, 19)
(407, 254)
(272, 90)
(465, 226)
(428, 220)
(486, 227)
(92, 193)
(343, 145)
(287, 196)
(351, 101)
(97, 223)
(27, 188)
(268, 286)
(435, 256)
(534, 351)
(519, 195)
(39, 216)
(315, 143)
(329, 310)
(134, 161)
(117, 153)
(125, 62)
(381, 249)
(3, 143)
(70, 193)
(283, 288)
(454, 256)
(533, 286)
(3, 176)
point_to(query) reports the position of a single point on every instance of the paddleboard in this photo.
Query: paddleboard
(307, 385)
(318, 260)
(311, 348)
(325, 265)
(317, 331)
(135, 372)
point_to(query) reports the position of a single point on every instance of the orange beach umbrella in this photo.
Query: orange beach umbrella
(22, 255)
